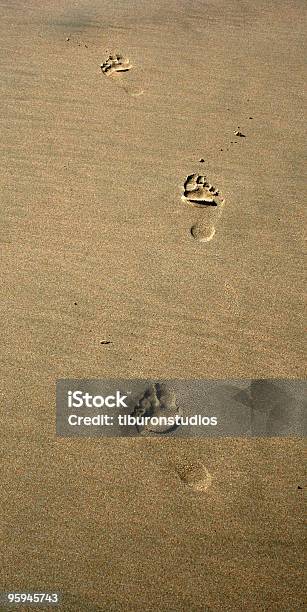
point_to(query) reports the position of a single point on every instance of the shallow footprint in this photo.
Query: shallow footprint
(113, 66)
(194, 474)
(198, 192)
(203, 232)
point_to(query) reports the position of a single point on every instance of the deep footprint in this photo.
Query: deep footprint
(157, 401)
(113, 66)
(115, 63)
(198, 192)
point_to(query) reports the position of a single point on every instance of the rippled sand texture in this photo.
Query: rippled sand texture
(106, 271)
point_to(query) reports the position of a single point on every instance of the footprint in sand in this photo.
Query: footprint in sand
(156, 401)
(113, 66)
(194, 474)
(198, 192)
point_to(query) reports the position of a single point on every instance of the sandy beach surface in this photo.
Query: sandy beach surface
(107, 270)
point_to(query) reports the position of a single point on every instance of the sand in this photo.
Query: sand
(106, 271)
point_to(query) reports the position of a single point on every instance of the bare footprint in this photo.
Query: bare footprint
(203, 232)
(198, 192)
(156, 401)
(113, 66)
(194, 474)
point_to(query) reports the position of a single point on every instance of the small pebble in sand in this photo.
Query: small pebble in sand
(201, 160)
(237, 133)
(67, 39)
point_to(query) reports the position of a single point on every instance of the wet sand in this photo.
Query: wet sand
(96, 247)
